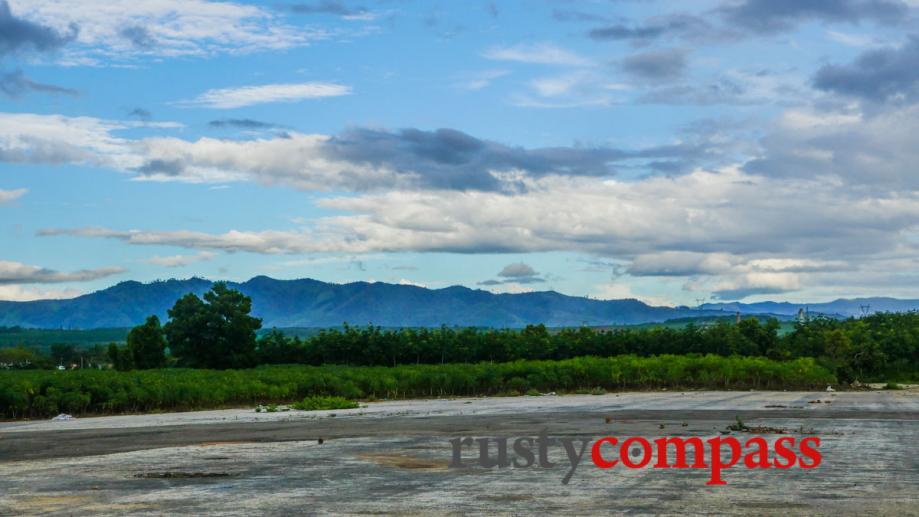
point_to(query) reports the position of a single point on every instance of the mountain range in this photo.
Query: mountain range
(843, 307)
(311, 303)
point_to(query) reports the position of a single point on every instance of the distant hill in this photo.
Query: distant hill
(844, 307)
(311, 303)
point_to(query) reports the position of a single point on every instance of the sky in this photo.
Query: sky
(673, 152)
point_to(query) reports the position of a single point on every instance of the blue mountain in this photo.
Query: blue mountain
(311, 303)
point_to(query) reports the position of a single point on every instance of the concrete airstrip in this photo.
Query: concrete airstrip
(392, 457)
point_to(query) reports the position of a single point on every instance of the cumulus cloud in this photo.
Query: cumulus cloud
(719, 217)
(517, 274)
(732, 276)
(359, 159)
(873, 150)
(768, 16)
(228, 98)
(31, 138)
(18, 273)
(830, 185)
(517, 270)
(123, 29)
(880, 75)
(11, 195)
(18, 34)
(753, 284)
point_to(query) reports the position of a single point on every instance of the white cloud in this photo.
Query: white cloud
(32, 138)
(127, 28)
(575, 89)
(18, 293)
(404, 281)
(479, 80)
(181, 260)
(877, 150)
(19, 273)
(837, 189)
(11, 195)
(853, 40)
(227, 98)
(649, 224)
(536, 53)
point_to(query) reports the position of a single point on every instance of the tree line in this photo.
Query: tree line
(880, 344)
(219, 332)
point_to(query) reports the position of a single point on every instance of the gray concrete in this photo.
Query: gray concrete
(392, 457)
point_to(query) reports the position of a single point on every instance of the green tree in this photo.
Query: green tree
(120, 357)
(147, 344)
(217, 332)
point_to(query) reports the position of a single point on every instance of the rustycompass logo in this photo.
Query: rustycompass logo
(635, 452)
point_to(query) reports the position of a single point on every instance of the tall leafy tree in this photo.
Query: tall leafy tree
(217, 332)
(120, 357)
(147, 344)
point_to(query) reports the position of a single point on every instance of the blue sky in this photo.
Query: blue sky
(671, 152)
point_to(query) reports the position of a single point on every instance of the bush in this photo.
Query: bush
(892, 386)
(319, 403)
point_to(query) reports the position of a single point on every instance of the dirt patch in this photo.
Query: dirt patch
(183, 475)
(218, 444)
(403, 462)
(51, 503)
(741, 427)
(506, 498)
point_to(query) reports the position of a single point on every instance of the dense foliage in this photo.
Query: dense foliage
(216, 332)
(884, 343)
(880, 346)
(147, 344)
(35, 393)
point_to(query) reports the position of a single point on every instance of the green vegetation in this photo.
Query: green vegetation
(41, 393)
(884, 345)
(218, 336)
(217, 332)
(892, 386)
(320, 402)
(42, 339)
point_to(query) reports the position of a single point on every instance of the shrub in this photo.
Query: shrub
(319, 403)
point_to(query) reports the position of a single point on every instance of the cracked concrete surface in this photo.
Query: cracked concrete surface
(392, 457)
